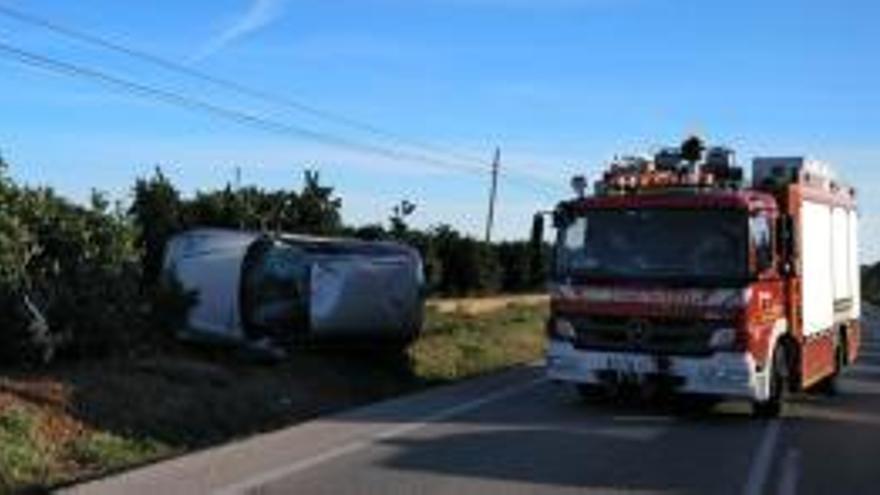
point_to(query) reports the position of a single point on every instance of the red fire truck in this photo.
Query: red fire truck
(677, 274)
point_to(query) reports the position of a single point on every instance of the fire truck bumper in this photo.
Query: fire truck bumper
(731, 374)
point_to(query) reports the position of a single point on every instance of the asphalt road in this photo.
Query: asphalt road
(517, 433)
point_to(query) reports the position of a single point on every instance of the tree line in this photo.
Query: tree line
(84, 279)
(455, 264)
(871, 283)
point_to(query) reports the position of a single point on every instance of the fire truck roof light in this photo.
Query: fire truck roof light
(713, 169)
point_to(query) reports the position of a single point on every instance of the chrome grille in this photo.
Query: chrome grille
(648, 335)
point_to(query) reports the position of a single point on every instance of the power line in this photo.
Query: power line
(532, 182)
(225, 83)
(259, 94)
(243, 118)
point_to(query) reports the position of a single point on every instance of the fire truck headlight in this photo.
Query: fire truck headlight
(563, 329)
(723, 338)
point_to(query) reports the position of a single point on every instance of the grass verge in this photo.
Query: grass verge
(459, 345)
(24, 457)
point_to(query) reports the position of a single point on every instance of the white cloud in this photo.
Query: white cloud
(259, 15)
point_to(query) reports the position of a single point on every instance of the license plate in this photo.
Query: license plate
(630, 365)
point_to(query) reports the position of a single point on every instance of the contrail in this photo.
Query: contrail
(260, 14)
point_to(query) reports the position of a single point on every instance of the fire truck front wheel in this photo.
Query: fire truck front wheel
(778, 383)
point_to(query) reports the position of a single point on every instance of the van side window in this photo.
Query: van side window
(762, 240)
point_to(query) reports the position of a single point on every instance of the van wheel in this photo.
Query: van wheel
(779, 378)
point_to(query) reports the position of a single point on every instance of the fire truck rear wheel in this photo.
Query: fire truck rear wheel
(779, 375)
(841, 353)
(828, 385)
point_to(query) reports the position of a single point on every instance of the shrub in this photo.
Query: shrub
(157, 212)
(871, 283)
(69, 277)
(22, 457)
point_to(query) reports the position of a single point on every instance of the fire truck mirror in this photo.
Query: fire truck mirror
(561, 218)
(538, 229)
(762, 243)
(787, 244)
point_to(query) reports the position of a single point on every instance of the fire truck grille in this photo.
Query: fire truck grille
(655, 335)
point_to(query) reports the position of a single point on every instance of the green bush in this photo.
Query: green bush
(69, 277)
(871, 283)
(157, 212)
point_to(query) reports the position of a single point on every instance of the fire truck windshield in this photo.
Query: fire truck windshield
(651, 244)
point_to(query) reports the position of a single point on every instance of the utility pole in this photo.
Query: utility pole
(493, 193)
(239, 203)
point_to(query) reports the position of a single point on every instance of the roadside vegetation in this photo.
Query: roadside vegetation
(871, 284)
(39, 447)
(459, 345)
(78, 419)
(92, 380)
(82, 280)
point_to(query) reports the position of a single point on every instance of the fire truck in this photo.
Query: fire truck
(678, 274)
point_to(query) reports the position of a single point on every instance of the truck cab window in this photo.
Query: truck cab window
(685, 245)
(762, 241)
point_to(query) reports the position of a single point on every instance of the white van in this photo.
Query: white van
(253, 286)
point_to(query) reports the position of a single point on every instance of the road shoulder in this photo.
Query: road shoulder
(259, 457)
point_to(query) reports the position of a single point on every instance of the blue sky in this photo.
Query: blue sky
(560, 85)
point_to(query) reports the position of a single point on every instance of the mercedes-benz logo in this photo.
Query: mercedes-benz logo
(636, 331)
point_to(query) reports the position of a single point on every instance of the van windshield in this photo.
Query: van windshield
(676, 244)
(275, 290)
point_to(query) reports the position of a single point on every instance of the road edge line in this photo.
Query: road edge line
(358, 445)
(788, 481)
(759, 470)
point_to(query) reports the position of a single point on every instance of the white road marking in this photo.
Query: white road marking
(763, 459)
(868, 369)
(872, 352)
(642, 419)
(790, 473)
(358, 445)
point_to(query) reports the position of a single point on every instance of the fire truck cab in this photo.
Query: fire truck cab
(675, 274)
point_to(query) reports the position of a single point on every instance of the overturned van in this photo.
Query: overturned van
(254, 287)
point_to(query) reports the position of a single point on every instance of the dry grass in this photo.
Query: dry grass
(459, 345)
(488, 304)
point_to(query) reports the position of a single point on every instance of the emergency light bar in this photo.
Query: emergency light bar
(669, 170)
